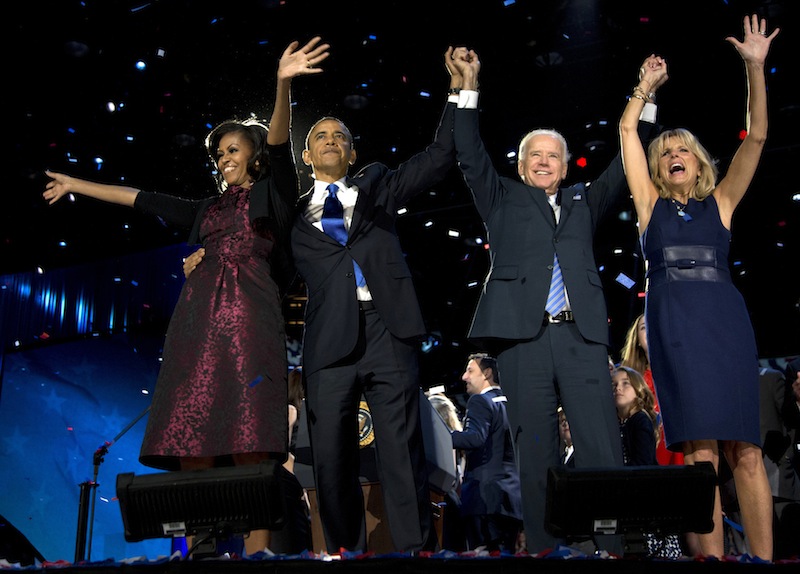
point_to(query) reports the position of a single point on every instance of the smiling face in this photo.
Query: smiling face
(329, 150)
(233, 154)
(678, 166)
(543, 163)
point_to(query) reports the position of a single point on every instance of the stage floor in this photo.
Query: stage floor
(441, 563)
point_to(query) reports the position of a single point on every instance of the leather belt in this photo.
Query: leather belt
(366, 305)
(563, 317)
(687, 263)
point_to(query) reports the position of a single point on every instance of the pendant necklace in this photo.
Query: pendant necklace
(681, 210)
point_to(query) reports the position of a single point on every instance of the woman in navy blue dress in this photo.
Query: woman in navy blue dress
(701, 342)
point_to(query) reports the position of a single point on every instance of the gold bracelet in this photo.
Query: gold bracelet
(638, 96)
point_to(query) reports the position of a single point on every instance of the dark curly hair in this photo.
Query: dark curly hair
(254, 131)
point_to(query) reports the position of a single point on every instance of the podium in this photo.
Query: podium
(441, 466)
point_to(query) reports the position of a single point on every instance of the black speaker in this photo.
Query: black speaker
(217, 502)
(665, 499)
(15, 547)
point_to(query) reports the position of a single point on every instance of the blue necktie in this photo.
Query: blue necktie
(557, 297)
(333, 225)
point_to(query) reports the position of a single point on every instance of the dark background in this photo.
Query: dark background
(562, 64)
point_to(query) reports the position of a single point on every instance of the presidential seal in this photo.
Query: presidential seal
(366, 432)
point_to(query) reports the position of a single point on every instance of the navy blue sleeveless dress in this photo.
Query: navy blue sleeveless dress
(701, 342)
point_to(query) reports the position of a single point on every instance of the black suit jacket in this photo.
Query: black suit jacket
(491, 480)
(523, 237)
(332, 315)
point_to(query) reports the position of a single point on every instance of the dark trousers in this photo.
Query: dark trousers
(385, 369)
(559, 364)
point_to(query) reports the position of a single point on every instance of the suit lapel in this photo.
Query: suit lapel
(361, 200)
(539, 197)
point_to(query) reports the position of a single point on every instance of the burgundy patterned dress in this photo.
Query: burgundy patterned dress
(221, 389)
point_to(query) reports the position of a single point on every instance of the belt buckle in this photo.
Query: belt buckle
(562, 317)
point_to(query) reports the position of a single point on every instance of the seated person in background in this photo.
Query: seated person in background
(637, 427)
(634, 355)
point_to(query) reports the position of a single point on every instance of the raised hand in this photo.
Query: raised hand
(654, 72)
(756, 42)
(298, 62)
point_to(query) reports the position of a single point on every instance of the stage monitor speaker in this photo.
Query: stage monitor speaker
(217, 502)
(595, 501)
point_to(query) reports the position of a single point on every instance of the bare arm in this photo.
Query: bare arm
(753, 51)
(652, 74)
(293, 62)
(62, 184)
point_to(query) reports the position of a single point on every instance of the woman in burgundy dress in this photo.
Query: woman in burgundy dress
(220, 398)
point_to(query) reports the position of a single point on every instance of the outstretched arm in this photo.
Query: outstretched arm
(62, 184)
(753, 51)
(652, 75)
(293, 62)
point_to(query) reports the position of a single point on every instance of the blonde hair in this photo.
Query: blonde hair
(447, 409)
(706, 180)
(633, 354)
(645, 400)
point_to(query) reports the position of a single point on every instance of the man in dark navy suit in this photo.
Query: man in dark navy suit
(490, 492)
(362, 330)
(550, 338)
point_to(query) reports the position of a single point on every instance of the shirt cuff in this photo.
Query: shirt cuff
(468, 99)
(648, 113)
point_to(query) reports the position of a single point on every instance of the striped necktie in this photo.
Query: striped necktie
(557, 297)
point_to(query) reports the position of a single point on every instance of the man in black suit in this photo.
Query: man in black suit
(490, 492)
(545, 357)
(362, 330)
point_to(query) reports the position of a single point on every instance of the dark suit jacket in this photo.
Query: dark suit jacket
(523, 238)
(332, 315)
(491, 480)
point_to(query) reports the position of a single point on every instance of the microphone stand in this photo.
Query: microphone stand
(86, 501)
